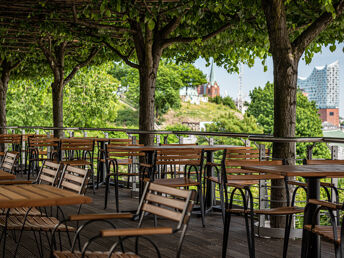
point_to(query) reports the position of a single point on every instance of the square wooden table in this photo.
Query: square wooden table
(312, 174)
(32, 195)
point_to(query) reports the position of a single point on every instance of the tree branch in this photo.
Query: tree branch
(123, 57)
(93, 53)
(51, 59)
(97, 25)
(170, 41)
(308, 35)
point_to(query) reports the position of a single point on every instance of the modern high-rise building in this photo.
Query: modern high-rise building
(322, 86)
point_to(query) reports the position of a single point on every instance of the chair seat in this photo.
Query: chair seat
(33, 223)
(128, 174)
(241, 183)
(22, 211)
(272, 211)
(77, 162)
(176, 182)
(77, 254)
(324, 231)
(303, 184)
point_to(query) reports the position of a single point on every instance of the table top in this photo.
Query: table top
(164, 147)
(6, 176)
(31, 195)
(303, 171)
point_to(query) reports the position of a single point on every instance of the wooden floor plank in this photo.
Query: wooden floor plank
(199, 242)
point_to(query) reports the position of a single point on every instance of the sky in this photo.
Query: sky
(255, 76)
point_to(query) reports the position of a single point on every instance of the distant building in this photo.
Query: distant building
(202, 92)
(322, 86)
(211, 88)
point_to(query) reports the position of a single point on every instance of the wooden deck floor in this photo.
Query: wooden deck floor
(199, 242)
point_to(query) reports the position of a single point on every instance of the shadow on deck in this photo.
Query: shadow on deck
(199, 242)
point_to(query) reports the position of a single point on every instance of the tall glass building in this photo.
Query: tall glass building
(322, 86)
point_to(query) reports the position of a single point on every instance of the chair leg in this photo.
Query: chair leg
(201, 201)
(107, 183)
(225, 234)
(288, 221)
(222, 202)
(116, 193)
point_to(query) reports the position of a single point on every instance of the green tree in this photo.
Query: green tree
(171, 78)
(235, 123)
(308, 123)
(90, 100)
(227, 101)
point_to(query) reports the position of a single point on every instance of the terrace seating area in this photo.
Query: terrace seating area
(207, 176)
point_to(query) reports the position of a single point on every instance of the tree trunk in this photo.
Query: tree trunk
(147, 102)
(57, 96)
(5, 77)
(285, 87)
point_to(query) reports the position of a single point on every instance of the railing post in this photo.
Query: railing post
(85, 133)
(334, 155)
(263, 193)
(165, 139)
(181, 140)
(211, 141)
(310, 151)
(158, 139)
(23, 153)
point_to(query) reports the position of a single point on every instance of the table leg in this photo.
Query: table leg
(310, 241)
(209, 195)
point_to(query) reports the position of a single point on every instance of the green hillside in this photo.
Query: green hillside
(196, 113)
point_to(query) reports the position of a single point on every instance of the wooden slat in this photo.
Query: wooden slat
(135, 231)
(163, 212)
(74, 178)
(6, 176)
(81, 217)
(169, 190)
(48, 171)
(173, 203)
(70, 186)
(47, 179)
(79, 171)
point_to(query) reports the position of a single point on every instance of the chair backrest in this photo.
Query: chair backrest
(42, 142)
(175, 156)
(178, 144)
(167, 202)
(13, 140)
(73, 148)
(323, 161)
(113, 152)
(49, 173)
(243, 153)
(120, 141)
(74, 179)
(9, 161)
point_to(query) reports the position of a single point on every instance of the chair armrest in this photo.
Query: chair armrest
(14, 182)
(146, 165)
(101, 216)
(136, 232)
(331, 205)
(212, 164)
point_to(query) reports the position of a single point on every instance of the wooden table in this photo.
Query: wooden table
(312, 174)
(6, 176)
(32, 195)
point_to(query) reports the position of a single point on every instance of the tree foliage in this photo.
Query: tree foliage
(227, 101)
(308, 123)
(90, 100)
(171, 78)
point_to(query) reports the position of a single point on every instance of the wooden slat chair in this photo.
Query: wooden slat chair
(242, 182)
(39, 150)
(170, 203)
(78, 152)
(116, 157)
(8, 162)
(231, 162)
(174, 170)
(192, 160)
(333, 233)
(101, 154)
(13, 143)
(73, 179)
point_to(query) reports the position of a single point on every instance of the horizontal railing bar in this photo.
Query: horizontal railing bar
(251, 137)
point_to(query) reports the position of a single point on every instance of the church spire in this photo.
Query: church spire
(212, 75)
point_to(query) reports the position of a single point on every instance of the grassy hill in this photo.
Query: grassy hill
(195, 113)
